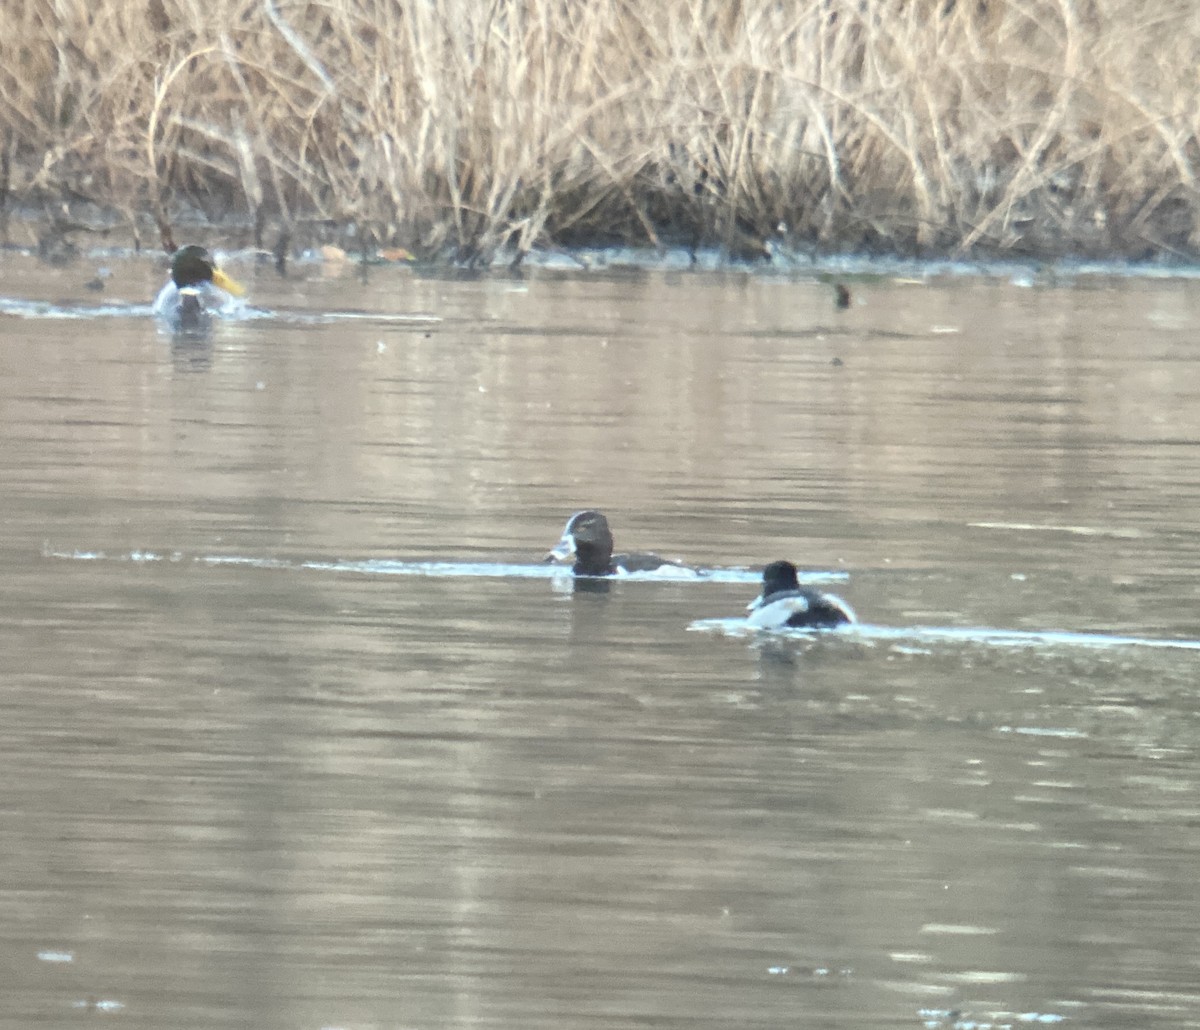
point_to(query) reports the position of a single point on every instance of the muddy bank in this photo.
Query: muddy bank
(98, 250)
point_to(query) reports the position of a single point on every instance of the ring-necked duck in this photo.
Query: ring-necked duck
(588, 540)
(197, 287)
(785, 603)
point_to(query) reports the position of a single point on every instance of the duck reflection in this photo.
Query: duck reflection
(191, 351)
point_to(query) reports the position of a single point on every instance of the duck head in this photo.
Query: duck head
(586, 538)
(192, 266)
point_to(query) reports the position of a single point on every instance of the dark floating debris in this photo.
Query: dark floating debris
(97, 283)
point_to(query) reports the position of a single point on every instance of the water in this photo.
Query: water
(297, 733)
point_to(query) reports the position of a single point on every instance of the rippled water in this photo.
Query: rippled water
(296, 732)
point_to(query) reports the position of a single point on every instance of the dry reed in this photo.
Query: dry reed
(473, 128)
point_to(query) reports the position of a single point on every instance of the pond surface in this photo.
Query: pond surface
(296, 733)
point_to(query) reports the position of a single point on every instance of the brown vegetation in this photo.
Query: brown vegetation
(467, 128)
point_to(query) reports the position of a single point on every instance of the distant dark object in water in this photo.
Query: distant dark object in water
(841, 296)
(784, 604)
(587, 538)
(96, 284)
(837, 362)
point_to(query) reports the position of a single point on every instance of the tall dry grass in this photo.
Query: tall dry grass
(474, 127)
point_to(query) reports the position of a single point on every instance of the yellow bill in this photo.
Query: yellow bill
(227, 284)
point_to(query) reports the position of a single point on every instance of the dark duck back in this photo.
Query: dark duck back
(785, 604)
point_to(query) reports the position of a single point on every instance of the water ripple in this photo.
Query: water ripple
(19, 307)
(1049, 639)
(388, 567)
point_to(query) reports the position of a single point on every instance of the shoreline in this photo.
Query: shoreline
(89, 228)
(97, 243)
(95, 234)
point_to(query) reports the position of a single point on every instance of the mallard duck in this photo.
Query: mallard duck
(588, 540)
(196, 289)
(784, 603)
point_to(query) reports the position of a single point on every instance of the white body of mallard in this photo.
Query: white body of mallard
(196, 291)
(177, 303)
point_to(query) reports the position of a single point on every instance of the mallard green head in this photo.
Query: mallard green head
(192, 265)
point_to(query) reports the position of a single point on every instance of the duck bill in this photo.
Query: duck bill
(563, 551)
(227, 283)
